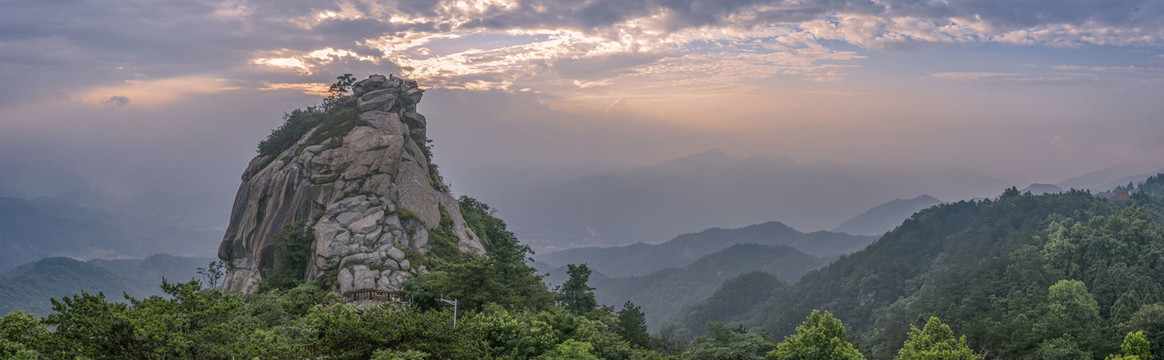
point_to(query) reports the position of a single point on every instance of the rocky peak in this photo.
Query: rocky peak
(361, 184)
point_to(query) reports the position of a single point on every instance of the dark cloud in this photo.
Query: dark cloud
(117, 100)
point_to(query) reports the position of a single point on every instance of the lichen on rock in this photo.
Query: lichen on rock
(351, 188)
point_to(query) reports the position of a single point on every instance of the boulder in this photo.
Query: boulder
(348, 192)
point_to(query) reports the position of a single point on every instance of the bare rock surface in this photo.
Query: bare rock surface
(366, 197)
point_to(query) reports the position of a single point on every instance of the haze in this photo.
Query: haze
(116, 99)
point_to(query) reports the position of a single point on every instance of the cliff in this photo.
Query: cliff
(362, 185)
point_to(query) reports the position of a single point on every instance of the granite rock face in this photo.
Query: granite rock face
(367, 196)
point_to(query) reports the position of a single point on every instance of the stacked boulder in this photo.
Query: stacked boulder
(367, 197)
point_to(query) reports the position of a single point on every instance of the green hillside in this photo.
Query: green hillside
(1015, 275)
(730, 304)
(30, 286)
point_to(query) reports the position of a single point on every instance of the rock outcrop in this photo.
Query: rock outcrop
(367, 195)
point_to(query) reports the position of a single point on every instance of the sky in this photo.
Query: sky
(126, 96)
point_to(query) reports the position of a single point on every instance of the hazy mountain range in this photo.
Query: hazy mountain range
(45, 227)
(664, 293)
(885, 217)
(640, 258)
(30, 286)
(666, 278)
(555, 208)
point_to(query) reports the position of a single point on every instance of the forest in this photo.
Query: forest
(1060, 276)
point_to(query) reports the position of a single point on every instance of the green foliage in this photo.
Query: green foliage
(352, 333)
(192, 324)
(18, 329)
(442, 241)
(295, 124)
(986, 268)
(406, 214)
(574, 294)
(1061, 348)
(336, 117)
(212, 273)
(488, 228)
(292, 252)
(820, 337)
(1150, 320)
(725, 343)
(343, 85)
(570, 350)
(1136, 347)
(1071, 311)
(1154, 185)
(501, 277)
(733, 300)
(935, 341)
(399, 355)
(632, 325)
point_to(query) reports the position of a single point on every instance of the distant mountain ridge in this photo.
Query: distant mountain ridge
(882, 218)
(665, 293)
(651, 204)
(1112, 176)
(30, 286)
(640, 258)
(32, 229)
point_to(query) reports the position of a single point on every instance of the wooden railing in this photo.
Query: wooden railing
(373, 294)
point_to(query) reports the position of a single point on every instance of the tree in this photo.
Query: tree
(1072, 311)
(292, 253)
(632, 325)
(501, 276)
(21, 334)
(1061, 348)
(212, 273)
(342, 85)
(935, 341)
(1135, 347)
(1150, 320)
(570, 350)
(574, 294)
(820, 337)
(721, 342)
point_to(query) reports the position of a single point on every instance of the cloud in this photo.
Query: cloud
(116, 100)
(1018, 79)
(568, 49)
(1130, 69)
(972, 75)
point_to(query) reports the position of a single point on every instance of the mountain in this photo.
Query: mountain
(41, 227)
(147, 274)
(1040, 189)
(731, 304)
(998, 271)
(30, 286)
(344, 193)
(650, 204)
(639, 259)
(1112, 176)
(664, 293)
(885, 217)
(28, 233)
